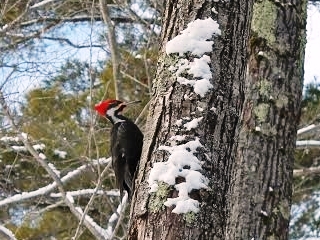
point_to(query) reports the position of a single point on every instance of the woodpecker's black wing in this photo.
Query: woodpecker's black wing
(126, 146)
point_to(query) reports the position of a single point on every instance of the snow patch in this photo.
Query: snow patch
(9, 139)
(178, 138)
(40, 146)
(200, 68)
(184, 164)
(19, 148)
(60, 154)
(42, 156)
(202, 86)
(193, 123)
(194, 39)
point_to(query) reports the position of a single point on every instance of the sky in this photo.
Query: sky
(50, 58)
(311, 65)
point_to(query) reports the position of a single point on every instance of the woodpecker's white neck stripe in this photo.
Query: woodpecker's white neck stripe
(111, 113)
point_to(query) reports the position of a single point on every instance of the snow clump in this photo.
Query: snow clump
(194, 39)
(182, 163)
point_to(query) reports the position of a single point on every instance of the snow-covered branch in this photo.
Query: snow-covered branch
(307, 129)
(6, 233)
(306, 171)
(307, 143)
(51, 187)
(96, 230)
(117, 216)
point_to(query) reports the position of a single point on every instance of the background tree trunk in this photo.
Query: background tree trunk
(261, 189)
(218, 131)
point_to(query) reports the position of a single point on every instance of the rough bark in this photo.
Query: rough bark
(260, 193)
(218, 131)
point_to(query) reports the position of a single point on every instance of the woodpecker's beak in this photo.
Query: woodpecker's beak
(132, 102)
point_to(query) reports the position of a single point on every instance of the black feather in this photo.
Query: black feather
(126, 147)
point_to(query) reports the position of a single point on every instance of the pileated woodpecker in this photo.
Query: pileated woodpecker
(126, 143)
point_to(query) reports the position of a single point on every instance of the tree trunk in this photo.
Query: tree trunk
(261, 188)
(218, 113)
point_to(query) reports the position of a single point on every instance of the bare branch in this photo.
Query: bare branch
(306, 171)
(68, 41)
(134, 79)
(115, 57)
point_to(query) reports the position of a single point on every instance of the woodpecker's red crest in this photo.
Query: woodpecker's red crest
(104, 106)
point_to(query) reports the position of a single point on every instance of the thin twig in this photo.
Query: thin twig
(115, 57)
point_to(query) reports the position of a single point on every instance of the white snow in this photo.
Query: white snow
(202, 86)
(7, 232)
(37, 147)
(19, 148)
(193, 123)
(70, 198)
(42, 3)
(116, 215)
(200, 68)
(264, 213)
(196, 40)
(179, 122)
(40, 146)
(50, 187)
(306, 129)
(183, 205)
(54, 169)
(9, 139)
(307, 143)
(181, 163)
(24, 135)
(88, 219)
(83, 192)
(42, 156)
(200, 109)
(310, 207)
(60, 154)
(178, 138)
(214, 10)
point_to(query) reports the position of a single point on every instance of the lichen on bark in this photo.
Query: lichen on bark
(264, 20)
(157, 199)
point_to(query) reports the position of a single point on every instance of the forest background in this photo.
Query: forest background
(59, 58)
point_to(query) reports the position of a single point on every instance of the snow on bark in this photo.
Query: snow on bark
(182, 162)
(194, 40)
